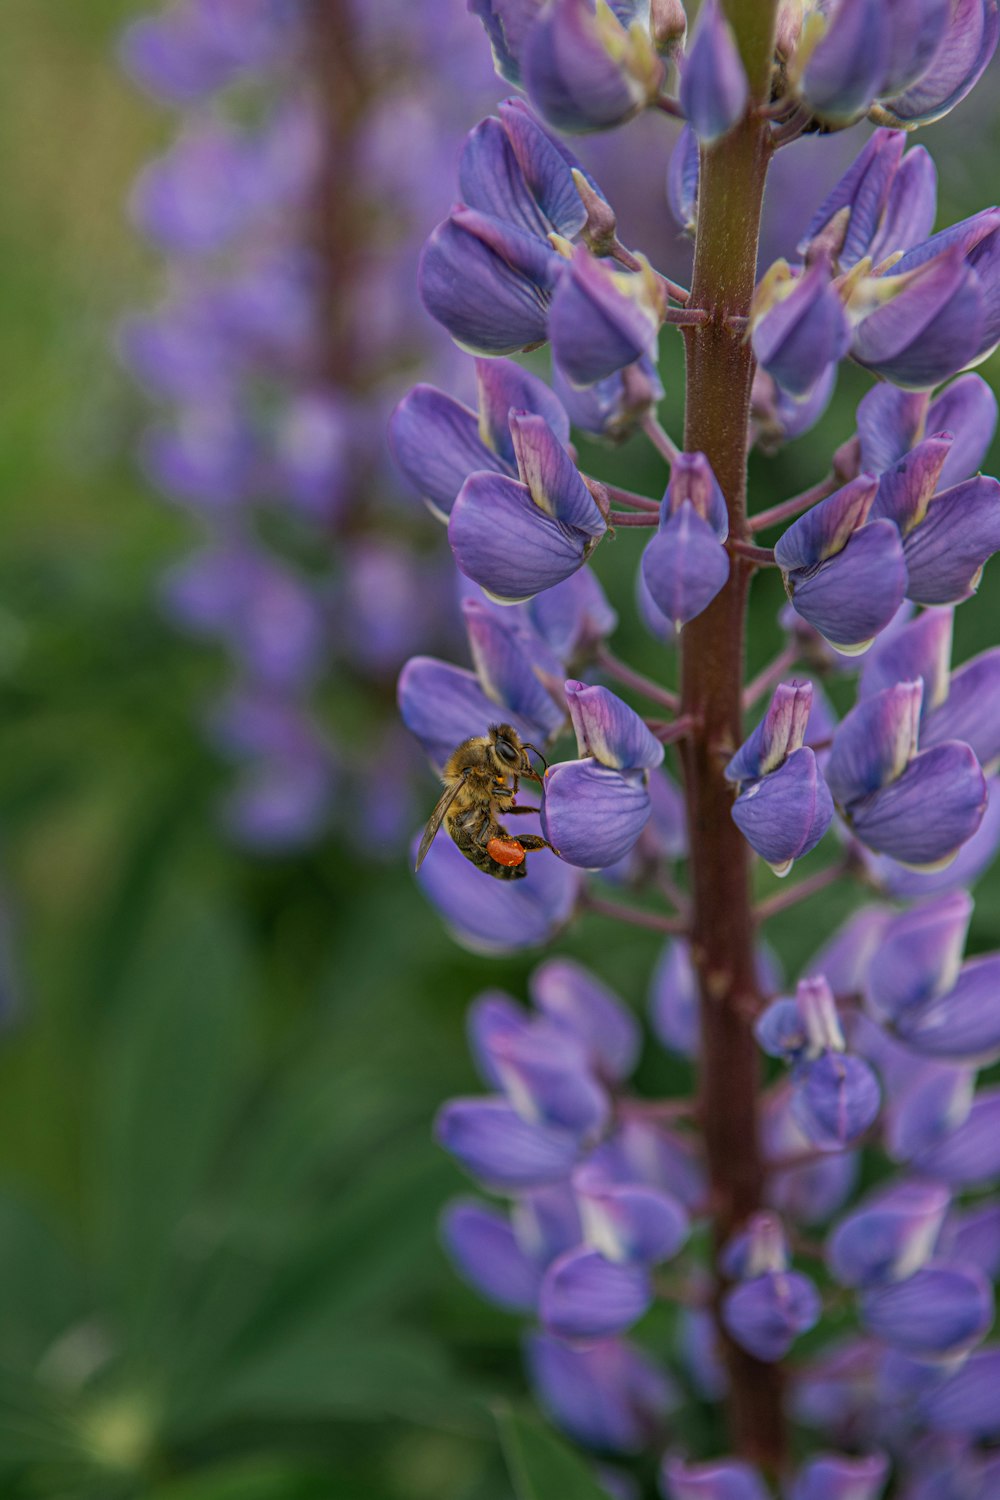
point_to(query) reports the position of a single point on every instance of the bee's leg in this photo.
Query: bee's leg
(532, 841)
(508, 811)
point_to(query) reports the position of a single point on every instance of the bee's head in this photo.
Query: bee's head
(510, 753)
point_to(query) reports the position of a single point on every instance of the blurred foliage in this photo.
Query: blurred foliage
(219, 1276)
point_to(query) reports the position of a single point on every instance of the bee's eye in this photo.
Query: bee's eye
(506, 752)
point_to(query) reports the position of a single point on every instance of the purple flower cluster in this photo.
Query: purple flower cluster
(275, 355)
(608, 1201)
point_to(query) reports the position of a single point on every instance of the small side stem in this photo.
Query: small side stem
(761, 557)
(793, 507)
(636, 681)
(770, 676)
(660, 438)
(631, 915)
(786, 899)
(632, 518)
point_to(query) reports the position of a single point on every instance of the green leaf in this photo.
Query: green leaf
(541, 1466)
(172, 1075)
(343, 1375)
(254, 1479)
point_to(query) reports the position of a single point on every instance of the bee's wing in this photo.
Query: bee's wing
(436, 819)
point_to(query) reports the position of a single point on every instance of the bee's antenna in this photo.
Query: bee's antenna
(541, 757)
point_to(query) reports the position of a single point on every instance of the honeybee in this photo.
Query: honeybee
(481, 778)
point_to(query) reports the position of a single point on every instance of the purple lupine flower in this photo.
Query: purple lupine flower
(488, 283)
(483, 1246)
(596, 807)
(779, 417)
(602, 319)
(807, 1193)
(685, 565)
(607, 1394)
(884, 203)
(714, 89)
(725, 1480)
(931, 313)
(516, 171)
(912, 62)
(783, 807)
(844, 573)
(939, 1311)
(799, 326)
(682, 179)
(916, 806)
(833, 1477)
(518, 537)
(438, 442)
(612, 407)
(918, 956)
(588, 66)
(835, 1096)
(576, 1001)
(892, 421)
(889, 1236)
(769, 1306)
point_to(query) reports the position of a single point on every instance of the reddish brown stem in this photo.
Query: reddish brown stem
(720, 372)
(636, 681)
(793, 507)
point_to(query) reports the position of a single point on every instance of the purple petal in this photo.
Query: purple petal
(673, 1001)
(548, 1082)
(864, 190)
(835, 1478)
(888, 1237)
(575, 999)
(800, 336)
(835, 1099)
(682, 179)
(905, 490)
(629, 1221)
(972, 1237)
(612, 407)
(940, 1311)
(725, 1480)
(547, 165)
(570, 77)
(492, 1142)
(585, 1296)
(552, 477)
(606, 1395)
(436, 443)
(970, 1155)
(492, 1014)
(957, 65)
(610, 731)
(692, 479)
(932, 327)
(962, 1025)
(507, 24)
(781, 731)
(973, 857)
(684, 566)
(487, 282)
(593, 814)
(854, 595)
(714, 88)
(784, 815)
(930, 811)
(911, 210)
(968, 410)
(506, 661)
(443, 705)
(826, 529)
(847, 66)
(490, 180)
(600, 321)
(965, 1405)
(890, 421)
(494, 916)
(546, 1222)
(875, 742)
(971, 710)
(768, 1313)
(934, 1102)
(946, 553)
(506, 543)
(918, 956)
(574, 616)
(504, 387)
(483, 1249)
(921, 649)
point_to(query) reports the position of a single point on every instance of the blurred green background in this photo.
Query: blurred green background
(219, 1275)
